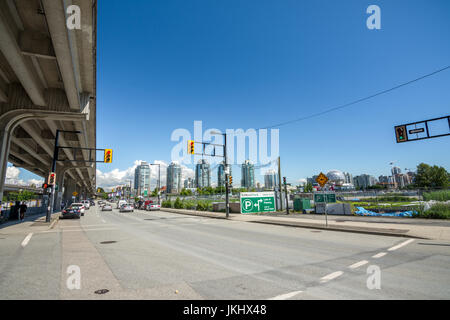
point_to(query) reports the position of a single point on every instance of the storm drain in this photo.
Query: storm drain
(108, 242)
(101, 291)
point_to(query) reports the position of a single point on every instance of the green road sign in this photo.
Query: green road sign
(145, 192)
(254, 202)
(324, 197)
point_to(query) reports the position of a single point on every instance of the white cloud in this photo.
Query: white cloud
(116, 177)
(13, 177)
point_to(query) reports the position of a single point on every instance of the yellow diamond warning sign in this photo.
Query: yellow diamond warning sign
(322, 179)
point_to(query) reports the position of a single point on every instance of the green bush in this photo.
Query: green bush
(437, 211)
(202, 205)
(190, 204)
(443, 195)
(166, 204)
(178, 204)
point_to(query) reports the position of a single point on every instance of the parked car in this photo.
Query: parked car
(86, 204)
(153, 206)
(75, 210)
(126, 207)
(107, 207)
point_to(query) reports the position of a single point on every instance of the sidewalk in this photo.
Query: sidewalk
(419, 229)
(36, 221)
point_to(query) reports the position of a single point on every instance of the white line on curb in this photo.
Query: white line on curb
(358, 264)
(27, 239)
(401, 245)
(331, 276)
(379, 255)
(286, 296)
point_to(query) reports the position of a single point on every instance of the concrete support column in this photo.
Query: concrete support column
(5, 143)
(70, 187)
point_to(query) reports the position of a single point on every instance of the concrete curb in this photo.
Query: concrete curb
(54, 222)
(373, 231)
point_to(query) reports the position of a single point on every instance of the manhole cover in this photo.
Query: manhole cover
(108, 242)
(102, 291)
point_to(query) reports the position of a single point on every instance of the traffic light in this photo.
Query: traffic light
(401, 134)
(230, 180)
(45, 186)
(284, 180)
(108, 156)
(191, 146)
(52, 178)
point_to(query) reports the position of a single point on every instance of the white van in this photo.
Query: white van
(120, 203)
(86, 204)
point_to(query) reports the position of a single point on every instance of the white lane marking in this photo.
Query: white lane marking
(80, 230)
(286, 296)
(331, 276)
(358, 264)
(27, 239)
(401, 245)
(379, 255)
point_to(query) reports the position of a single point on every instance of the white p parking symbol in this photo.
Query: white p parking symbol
(248, 204)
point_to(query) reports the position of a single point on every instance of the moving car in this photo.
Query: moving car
(153, 206)
(86, 204)
(75, 210)
(107, 207)
(126, 207)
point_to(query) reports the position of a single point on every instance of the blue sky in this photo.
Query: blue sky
(250, 64)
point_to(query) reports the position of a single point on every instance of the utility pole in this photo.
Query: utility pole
(279, 184)
(286, 195)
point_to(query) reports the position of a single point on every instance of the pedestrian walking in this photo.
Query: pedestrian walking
(22, 209)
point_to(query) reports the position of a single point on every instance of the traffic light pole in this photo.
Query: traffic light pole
(52, 188)
(227, 200)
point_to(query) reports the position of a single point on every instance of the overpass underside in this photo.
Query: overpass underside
(48, 83)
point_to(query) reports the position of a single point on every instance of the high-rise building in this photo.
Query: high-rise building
(189, 183)
(173, 178)
(202, 174)
(270, 179)
(142, 178)
(248, 175)
(364, 180)
(348, 177)
(396, 170)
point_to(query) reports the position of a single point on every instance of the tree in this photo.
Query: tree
(431, 176)
(308, 187)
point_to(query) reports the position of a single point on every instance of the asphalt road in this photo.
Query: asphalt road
(162, 255)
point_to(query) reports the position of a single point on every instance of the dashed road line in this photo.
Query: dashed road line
(26, 240)
(401, 245)
(358, 264)
(285, 296)
(331, 276)
(379, 255)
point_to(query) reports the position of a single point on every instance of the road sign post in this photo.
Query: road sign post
(322, 180)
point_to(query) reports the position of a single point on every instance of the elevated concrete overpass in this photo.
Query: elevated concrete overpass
(48, 83)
